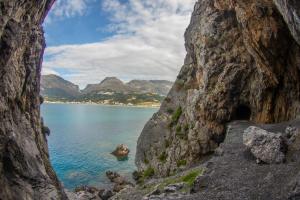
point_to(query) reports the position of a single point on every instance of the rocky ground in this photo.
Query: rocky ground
(231, 173)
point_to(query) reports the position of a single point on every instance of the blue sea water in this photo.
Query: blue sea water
(83, 137)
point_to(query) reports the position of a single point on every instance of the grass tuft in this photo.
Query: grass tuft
(163, 157)
(181, 163)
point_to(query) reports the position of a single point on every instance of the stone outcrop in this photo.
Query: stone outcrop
(265, 146)
(25, 169)
(121, 151)
(242, 62)
(119, 181)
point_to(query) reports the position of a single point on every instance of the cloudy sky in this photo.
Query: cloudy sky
(88, 40)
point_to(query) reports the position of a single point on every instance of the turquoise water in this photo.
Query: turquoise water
(83, 136)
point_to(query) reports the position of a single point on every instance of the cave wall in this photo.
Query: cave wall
(239, 53)
(25, 169)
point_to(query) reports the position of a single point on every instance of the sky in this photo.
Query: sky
(88, 40)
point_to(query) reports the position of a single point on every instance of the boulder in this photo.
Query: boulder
(121, 151)
(86, 188)
(200, 183)
(265, 146)
(119, 181)
(172, 188)
(85, 193)
(105, 194)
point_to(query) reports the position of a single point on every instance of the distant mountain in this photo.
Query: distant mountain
(160, 87)
(109, 91)
(55, 87)
(113, 84)
(109, 84)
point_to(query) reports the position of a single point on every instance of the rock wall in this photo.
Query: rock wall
(25, 169)
(243, 62)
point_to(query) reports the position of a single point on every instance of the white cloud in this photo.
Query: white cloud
(66, 9)
(148, 44)
(46, 71)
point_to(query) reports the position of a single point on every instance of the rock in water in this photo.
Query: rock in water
(265, 146)
(121, 151)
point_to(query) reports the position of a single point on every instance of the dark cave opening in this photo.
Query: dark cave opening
(242, 112)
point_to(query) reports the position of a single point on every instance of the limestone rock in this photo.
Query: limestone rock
(200, 183)
(242, 63)
(290, 10)
(119, 181)
(173, 187)
(265, 146)
(25, 169)
(85, 193)
(121, 151)
(105, 194)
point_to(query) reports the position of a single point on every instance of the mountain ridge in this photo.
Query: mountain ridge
(108, 84)
(110, 90)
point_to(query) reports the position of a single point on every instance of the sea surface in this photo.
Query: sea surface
(83, 137)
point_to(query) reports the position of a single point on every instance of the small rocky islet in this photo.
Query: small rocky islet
(121, 152)
(242, 62)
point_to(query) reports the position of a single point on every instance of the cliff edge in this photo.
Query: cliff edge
(25, 169)
(242, 62)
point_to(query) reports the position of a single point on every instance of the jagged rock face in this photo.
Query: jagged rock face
(242, 62)
(25, 169)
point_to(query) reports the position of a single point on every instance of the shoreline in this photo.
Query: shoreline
(102, 104)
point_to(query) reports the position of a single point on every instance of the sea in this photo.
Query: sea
(83, 136)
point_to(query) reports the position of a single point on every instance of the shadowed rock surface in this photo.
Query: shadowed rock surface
(25, 169)
(242, 62)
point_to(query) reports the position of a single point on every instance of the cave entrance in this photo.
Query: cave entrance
(242, 112)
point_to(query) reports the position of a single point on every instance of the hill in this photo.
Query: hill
(109, 91)
(55, 87)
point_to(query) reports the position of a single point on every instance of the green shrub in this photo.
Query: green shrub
(149, 172)
(180, 83)
(146, 161)
(176, 115)
(182, 135)
(178, 129)
(186, 128)
(181, 163)
(163, 157)
(190, 178)
(170, 110)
